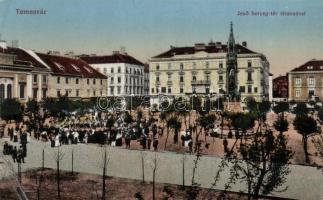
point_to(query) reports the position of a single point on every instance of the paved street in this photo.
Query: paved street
(303, 182)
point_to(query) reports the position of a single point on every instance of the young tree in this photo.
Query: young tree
(174, 123)
(142, 156)
(32, 107)
(281, 107)
(11, 109)
(58, 156)
(104, 172)
(281, 124)
(307, 127)
(154, 166)
(263, 165)
(301, 109)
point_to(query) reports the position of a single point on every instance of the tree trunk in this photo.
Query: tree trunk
(104, 175)
(58, 179)
(175, 136)
(143, 168)
(307, 160)
(43, 160)
(166, 138)
(72, 162)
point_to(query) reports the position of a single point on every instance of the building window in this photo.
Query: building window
(207, 64)
(77, 93)
(111, 80)
(101, 81)
(169, 66)
(94, 93)
(193, 89)
(58, 80)
(9, 91)
(119, 79)
(2, 91)
(112, 70)
(94, 81)
(181, 66)
(119, 69)
(66, 80)
(88, 81)
(35, 90)
(297, 93)
(44, 79)
(44, 93)
(255, 89)
(169, 90)
(163, 89)
(207, 77)
(105, 70)
(220, 78)
(119, 89)
(194, 65)
(242, 89)
(298, 81)
(169, 77)
(157, 78)
(311, 93)
(311, 82)
(112, 90)
(249, 63)
(66, 93)
(157, 67)
(194, 78)
(249, 76)
(58, 92)
(249, 89)
(220, 65)
(152, 90)
(76, 81)
(181, 79)
(22, 91)
(181, 90)
(35, 77)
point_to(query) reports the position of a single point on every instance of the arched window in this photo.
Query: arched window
(9, 91)
(2, 91)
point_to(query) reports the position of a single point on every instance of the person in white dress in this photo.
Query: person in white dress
(57, 144)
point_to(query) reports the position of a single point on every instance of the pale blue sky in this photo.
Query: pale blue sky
(148, 27)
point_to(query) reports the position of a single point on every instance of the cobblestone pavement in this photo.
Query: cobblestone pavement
(303, 182)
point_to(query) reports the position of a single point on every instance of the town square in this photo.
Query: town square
(125, 101)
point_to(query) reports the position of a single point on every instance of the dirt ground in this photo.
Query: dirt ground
(85, 186)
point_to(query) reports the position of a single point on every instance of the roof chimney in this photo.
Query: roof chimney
(115, 52)
(244, 43)
(199, 46)
(218, 45)
(14, 43)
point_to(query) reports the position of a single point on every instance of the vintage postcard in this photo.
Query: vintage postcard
(161, 99)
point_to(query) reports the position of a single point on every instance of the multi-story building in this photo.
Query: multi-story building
(306, 81)
(280, 88)
(208, 69)
(21, 76)
(27, 74)
(73, 77)
(125, 73)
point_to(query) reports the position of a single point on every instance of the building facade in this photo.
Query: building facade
(21, 77)
(280, 87)
(209, 68)
(37, 76)
(125, 73)
(306, 81)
